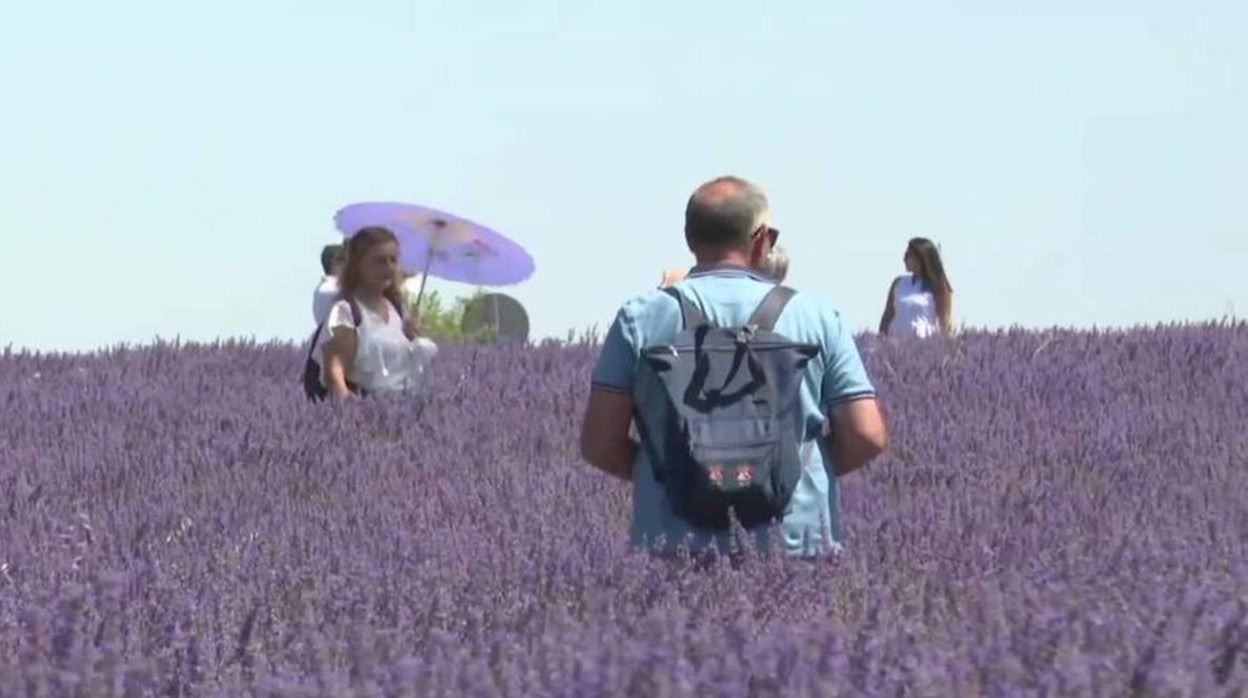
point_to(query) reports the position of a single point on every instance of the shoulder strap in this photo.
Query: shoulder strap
(692, 316)
(316, 334)
(356, 315)
(768, 311)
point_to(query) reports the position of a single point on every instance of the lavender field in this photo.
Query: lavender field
(1059, 513)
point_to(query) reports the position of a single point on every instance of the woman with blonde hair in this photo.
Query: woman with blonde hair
(920, 302)
(366, 346)
(776, 264)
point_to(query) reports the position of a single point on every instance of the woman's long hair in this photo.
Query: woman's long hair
(358, 247)
(931, 272)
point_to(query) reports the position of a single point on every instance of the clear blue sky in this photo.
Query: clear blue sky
(172, 168)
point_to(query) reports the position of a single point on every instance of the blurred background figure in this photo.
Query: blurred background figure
(775, 265)
(920, 302)
(672, 276)
(333, 257)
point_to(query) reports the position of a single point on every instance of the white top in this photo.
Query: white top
(386, 361)
(323, 298)
(914, 309)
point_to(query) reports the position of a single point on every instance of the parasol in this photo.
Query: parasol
(441, 244)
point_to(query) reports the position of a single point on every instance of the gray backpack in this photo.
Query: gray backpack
(730, 434)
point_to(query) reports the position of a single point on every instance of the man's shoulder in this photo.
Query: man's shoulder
(811, 318)
(804, 307)
(648, 304)
(808, 305)
(811, 302)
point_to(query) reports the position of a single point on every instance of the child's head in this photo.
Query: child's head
(777, 263)
(672, 276)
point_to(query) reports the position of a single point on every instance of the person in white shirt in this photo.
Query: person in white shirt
(920, 302)
(383, 352)
(326, 294)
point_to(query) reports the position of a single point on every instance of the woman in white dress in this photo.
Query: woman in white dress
(381, 353)
(920, 302)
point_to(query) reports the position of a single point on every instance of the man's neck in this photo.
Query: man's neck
(723, 259)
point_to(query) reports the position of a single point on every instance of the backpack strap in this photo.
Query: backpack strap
(768, 311)
(646, 439)
(692, 316)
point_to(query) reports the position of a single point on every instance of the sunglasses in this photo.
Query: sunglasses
(772, 234)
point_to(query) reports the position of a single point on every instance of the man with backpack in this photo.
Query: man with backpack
(749, 399)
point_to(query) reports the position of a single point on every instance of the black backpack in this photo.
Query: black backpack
(732, 426)
(312, 385)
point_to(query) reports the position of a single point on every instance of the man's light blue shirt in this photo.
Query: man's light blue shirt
(728, 296)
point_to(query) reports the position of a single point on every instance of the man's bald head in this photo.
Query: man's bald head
(724, 213)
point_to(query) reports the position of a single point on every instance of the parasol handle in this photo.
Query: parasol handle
(424, 277)
(498, 323)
